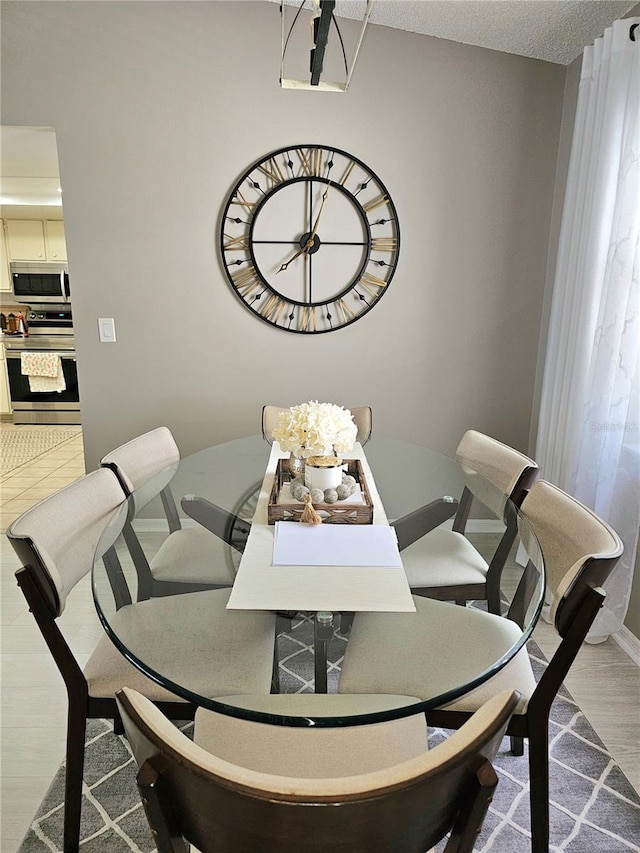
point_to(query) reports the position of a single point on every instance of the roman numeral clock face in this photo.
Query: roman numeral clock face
(310, 239)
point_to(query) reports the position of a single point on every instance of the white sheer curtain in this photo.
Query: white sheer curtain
(589, 428)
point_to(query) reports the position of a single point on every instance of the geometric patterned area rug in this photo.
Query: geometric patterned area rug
(594, 808)
(17, 447)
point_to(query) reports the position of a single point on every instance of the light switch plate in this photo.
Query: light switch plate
(107, 330)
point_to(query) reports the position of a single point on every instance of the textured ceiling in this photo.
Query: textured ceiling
(542, 29)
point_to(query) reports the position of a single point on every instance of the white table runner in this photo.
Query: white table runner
(261, 586)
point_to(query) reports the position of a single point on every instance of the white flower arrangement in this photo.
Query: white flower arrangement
(315, 429)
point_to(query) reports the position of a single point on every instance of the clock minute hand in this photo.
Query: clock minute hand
(309, 244)
(316, 223)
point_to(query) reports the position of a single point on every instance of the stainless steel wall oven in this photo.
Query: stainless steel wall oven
(50, 330)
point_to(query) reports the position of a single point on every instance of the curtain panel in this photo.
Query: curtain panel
(589, 427)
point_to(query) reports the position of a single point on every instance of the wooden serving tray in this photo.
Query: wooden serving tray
(341, 512)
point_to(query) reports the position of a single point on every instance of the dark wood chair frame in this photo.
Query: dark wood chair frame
(417, 524)
(33, 580)
(181, 801)
(573, 622)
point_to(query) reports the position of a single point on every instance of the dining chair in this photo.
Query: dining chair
(443, 564)
(375, 790)
(362, 417)
(419, 656)
(189, 559)
(56, 541)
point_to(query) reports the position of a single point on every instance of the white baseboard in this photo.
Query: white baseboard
(159, 525)
(476, 525)
(629, 643)
(484, 525)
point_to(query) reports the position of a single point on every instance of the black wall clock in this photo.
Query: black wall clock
(310, 239)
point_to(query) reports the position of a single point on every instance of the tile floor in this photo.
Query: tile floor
(31, 482)
(604, 680)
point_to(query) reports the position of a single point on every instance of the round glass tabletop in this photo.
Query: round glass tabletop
(185, 585)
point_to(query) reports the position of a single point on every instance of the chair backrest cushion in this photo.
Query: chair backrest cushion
(220, 806)
(491, 470)
(141, 458)
(363, 419)
(65, 528)
(572, 539)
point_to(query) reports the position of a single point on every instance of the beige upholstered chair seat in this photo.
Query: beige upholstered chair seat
(429, 652)
(441, 558)
(108, 667)
(517, 672)
(208, 639)
(312, 753)
(193, 555)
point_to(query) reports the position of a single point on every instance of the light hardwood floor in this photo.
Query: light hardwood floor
(604, 680)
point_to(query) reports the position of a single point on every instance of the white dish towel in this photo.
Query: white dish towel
(44, 370)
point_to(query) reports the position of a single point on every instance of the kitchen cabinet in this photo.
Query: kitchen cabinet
(54, 241)
(35, 240)
(25, 240)
(5, 400)
(5, 280)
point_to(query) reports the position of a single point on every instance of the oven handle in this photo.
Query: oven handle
(17, 353)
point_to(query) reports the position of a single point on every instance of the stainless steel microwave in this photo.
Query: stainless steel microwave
(34, 282)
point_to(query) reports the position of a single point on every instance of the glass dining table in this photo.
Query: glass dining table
(226, 489)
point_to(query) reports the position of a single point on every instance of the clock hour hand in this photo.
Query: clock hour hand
(301, 251)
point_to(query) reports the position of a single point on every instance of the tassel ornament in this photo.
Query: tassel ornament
(309, 515)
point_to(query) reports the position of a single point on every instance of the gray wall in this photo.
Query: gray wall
(569, 104)
(158, 107)
(632, 619)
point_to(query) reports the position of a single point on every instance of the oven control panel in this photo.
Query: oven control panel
(48, 321)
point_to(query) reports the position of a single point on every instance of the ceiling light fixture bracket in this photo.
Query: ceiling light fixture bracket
(322, 23)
